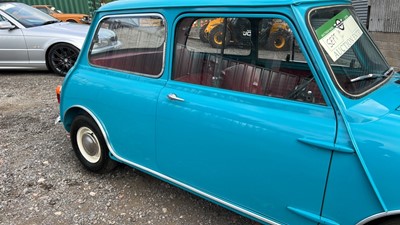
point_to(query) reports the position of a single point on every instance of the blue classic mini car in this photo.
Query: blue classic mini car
(282, 111)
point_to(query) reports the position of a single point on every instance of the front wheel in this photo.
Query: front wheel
(89, 145)
(61, 57)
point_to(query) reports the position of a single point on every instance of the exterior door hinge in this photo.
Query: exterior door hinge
(326, 145)
(313, 217)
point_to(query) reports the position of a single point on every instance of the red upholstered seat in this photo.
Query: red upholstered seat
(257, 80)
(200, 68)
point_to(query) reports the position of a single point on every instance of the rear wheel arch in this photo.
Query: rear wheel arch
(73, 112)
(90, 144)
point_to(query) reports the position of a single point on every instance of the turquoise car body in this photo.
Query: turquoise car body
(270, 159)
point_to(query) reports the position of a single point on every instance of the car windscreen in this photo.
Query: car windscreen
(357, 65)
(27, 15)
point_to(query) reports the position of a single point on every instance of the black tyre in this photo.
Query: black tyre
(72, 21)
(216, 37)
(203, 36)
(278, 41)
(61, 57)
(89, 145)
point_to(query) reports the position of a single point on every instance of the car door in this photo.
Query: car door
(240, 146)
(13, 50)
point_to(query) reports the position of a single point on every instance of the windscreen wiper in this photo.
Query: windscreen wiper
(373, 75)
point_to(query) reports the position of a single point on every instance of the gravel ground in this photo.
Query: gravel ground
(42, 182)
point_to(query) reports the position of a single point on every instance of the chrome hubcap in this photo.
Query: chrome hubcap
(88, 144)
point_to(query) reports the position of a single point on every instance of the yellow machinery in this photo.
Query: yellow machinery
(275, 35)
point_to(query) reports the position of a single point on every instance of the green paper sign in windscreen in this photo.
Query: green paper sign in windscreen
(339, 34)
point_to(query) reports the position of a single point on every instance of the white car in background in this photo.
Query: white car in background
(33, 40)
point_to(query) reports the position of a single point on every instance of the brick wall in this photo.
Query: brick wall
(389, 44)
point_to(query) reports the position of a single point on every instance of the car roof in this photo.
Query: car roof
(146, 4)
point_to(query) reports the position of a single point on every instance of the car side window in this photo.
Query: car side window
(251, 55)
(140, 48)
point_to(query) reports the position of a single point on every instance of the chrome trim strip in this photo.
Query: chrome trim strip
(160, 175)
(378, 216)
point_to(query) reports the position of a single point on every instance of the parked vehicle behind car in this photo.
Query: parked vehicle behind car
(33, 40)
(306, 135)
(65, 17)
(238, 33)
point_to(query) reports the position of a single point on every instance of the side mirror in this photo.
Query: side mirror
(5, 25)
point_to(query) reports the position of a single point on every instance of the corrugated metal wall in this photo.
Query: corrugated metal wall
(68, 6)
(361, 7)
(385, 16)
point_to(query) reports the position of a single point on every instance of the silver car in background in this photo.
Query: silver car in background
(33, 40)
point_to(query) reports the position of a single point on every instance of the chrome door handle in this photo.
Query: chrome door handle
(175, 98)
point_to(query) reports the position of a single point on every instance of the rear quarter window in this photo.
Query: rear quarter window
(140, 48)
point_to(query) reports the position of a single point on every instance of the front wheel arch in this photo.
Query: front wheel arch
(387, 220)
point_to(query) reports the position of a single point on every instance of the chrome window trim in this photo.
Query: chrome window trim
(328, 65)
(169, 179)
(133, 15)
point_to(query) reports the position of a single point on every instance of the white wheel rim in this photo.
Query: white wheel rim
(88, 144)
